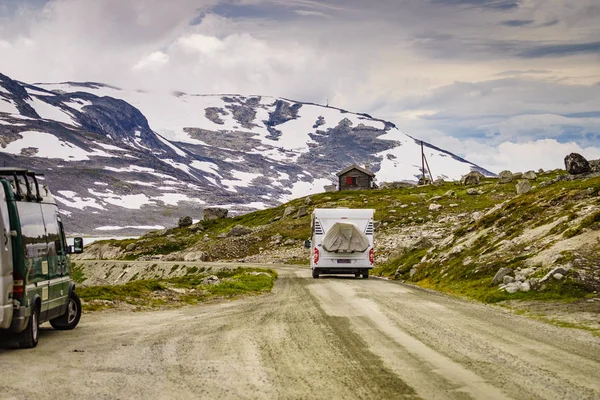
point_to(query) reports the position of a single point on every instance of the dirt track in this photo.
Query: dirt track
(330, 338)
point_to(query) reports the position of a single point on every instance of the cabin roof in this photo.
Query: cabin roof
(354, 166)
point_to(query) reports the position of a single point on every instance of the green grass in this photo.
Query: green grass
(466, 274)
(151, 293)
(77, 273)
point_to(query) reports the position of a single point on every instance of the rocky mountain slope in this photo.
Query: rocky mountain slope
(122, 161)
(526, 236)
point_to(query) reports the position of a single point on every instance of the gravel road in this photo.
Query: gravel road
(331, 338)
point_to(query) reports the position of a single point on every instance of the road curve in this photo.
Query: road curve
(330, 338)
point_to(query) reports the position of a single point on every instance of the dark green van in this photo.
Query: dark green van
(35, 275)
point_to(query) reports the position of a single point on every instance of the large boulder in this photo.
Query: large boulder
(302, 212)
(524, 186)
(594, 165)
(499, 277)
(289, 211)
(505, 176)
(239, 230)
(530, 175)
(472, 178)
(576, 164)
(184, 221)
(213, 213)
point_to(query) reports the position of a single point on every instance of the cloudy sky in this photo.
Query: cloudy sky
(508, 84)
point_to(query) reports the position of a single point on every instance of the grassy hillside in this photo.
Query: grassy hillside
(458, 248)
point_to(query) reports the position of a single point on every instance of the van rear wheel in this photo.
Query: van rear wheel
(315, 275)
(365, 275)
(28, 339)
(71, 318)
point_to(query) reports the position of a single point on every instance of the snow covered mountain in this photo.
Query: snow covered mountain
(129, 160)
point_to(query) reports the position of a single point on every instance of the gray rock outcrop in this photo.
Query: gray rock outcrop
(184, 221)
(530, 175)
(289, 211)
(576, 164)
(239, 230)
(213, 213)
(523, 186)
(472, 178)
(499, 277)
(505, 177)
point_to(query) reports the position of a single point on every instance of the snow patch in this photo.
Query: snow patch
(49, 146)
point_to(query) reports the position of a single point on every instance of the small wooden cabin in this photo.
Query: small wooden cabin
(355, 178)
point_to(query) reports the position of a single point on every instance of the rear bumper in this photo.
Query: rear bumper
(6, 313)
(19, 320)
(341, 270)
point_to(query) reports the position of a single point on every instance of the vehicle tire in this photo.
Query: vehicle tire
(28, 339)
(365, 275)
(357, 274)
(71, 318)
(315, 275)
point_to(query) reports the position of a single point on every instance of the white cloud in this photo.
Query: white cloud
(197, 43)
(153, 62)
(545, 153)
(430, 68)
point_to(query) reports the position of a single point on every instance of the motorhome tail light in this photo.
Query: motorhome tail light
(18, 287)
(316, 255)
(372, 256)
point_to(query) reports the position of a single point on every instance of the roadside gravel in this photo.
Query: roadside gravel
(320, 339)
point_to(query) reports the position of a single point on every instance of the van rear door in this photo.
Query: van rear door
(6, 264)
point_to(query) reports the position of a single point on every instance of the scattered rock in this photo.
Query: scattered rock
(505, 177)
(477, 215)
(576, 164)
(499, 277)
(457, 249)
(308, 201)
(594, 165)
(211, 280)
(239, 230)
(213, 213)
(450, 193)
(523, 186)
(302, 212)
(289, 242)
(453, 205)
(472, 178)
(472, 191)
(508, 279)
(513, 287)
(530, 175)
(434, 207)
(195, 256)
(196, 228)
(524, 287)
(558, 277)
(130, 247)
(517, 175)
(185, 221)
(289, 211)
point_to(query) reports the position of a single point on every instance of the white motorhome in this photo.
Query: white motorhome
(341, 241)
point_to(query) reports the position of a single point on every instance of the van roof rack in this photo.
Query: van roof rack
(14, 172)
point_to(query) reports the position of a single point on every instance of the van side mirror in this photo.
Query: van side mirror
(307, 244)
(77, 245)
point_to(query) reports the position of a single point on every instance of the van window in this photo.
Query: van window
(5, 217)
(34, 240)
(61, 232)
(55, 247)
